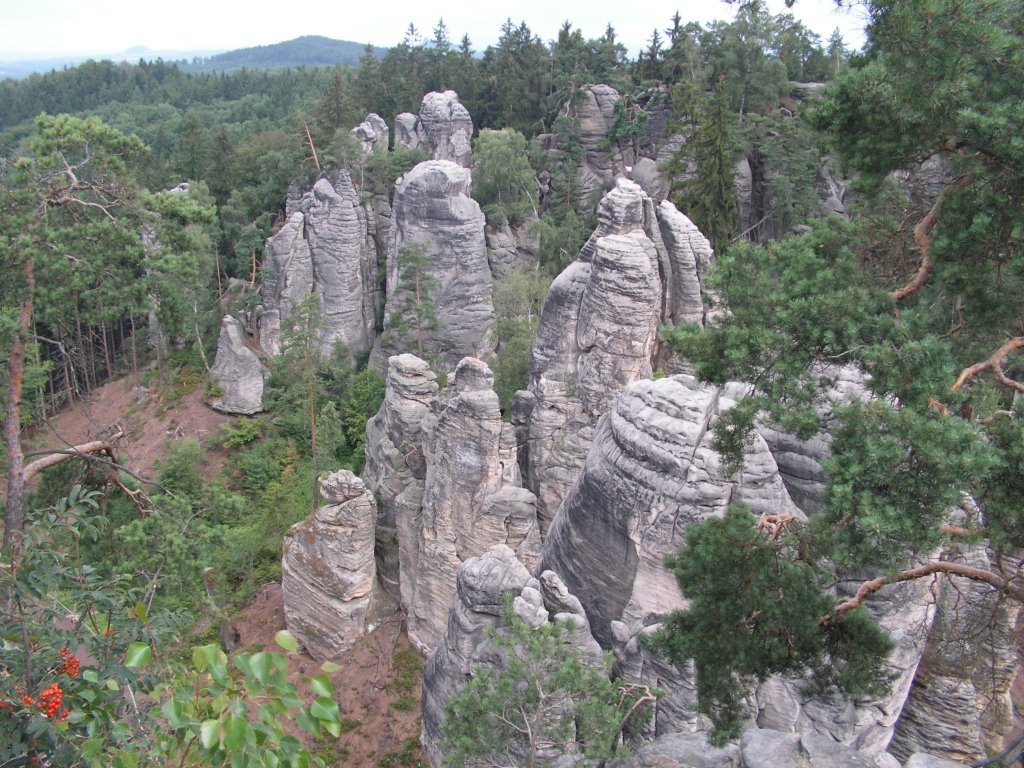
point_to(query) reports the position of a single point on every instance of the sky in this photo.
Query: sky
(40, 28)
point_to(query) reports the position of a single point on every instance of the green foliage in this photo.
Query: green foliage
(755, 609)
(542, 698)
(518, 300)
(503, 181)
(239, 432)
(709, 198)
(416, 313)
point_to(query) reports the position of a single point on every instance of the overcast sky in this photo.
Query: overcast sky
(36, 28)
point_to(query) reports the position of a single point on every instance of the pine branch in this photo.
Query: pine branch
(993, 363)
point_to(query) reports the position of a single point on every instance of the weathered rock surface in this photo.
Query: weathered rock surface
(923, 760)
(432, 207)
(598, 331)
(685, 750)
(960, 702)
(448, 127)
(327, 571)
(470, 459)
(409, 131)
(324, 248)
(482, 585)
(372, 133)
(396, 466)
(237, 371)
(511, 248)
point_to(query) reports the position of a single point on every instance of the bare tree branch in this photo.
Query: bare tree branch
(993, 363)
(1010, 586)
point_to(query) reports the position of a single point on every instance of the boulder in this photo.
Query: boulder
(237, 370)
(327, 571)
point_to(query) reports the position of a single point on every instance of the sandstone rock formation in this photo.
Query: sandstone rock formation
(472, 499)
(409, 131)
(372, 133)
(482, 585)
(960, 706)
(324, 248)
(327, 571)
(598, 331)
(448, 127)
(237, 371)
(649, 475)
(396, 466)
(433, 210)
(511, 248)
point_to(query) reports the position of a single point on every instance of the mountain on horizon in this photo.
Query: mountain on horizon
(305, 51)
(308, 51)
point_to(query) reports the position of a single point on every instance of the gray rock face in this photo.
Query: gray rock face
(327, 571)
(960, 702)
(372, 133)
(689, 750)
(396, 467)
(448, 127)
(595, 115)
(775, 749)
(409, 131)
(472, 499)
(511, 248)
(237, 371)
(325, 248)
(482, 585)
(923, 760)
(650, 473)
(433, 208)
(598, 331)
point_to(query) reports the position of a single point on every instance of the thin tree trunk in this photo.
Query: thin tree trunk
(14, 512)
(135, 358)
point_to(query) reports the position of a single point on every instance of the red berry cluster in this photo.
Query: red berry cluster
(69, 664)
(50, 699)
(49, 702)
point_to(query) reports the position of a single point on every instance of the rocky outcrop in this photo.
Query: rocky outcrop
(641, 267)
(483, 583)
(409, 131)
(327, 571)
(650, 475)
(324, 248)
(960, 706)
(472, 499)
(595, 117)
(373, 134)
(446, 475)
(237, 370)
(396, 467)
(448, 127)
(433, 213)
(511, 248)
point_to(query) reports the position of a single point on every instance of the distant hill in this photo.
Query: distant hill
(308, 51)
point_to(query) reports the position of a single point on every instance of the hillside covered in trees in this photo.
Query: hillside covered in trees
(715, 350)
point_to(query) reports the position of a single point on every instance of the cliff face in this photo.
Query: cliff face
(598, 331)
(324, 248)
(434, 213)
(446, 473)
(237, 370)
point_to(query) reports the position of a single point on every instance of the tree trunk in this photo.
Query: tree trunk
(14, 512)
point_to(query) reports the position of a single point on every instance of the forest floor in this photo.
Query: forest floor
(378, 685)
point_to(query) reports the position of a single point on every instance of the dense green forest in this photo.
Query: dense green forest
(109, 274)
